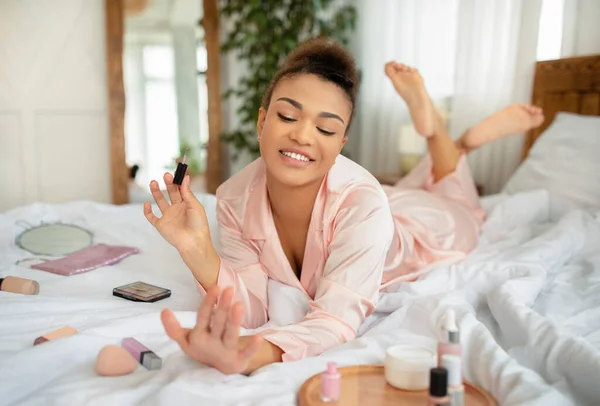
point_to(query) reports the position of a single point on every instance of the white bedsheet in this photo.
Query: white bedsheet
(527, 302)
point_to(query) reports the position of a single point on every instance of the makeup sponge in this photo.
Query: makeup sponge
(115, 361)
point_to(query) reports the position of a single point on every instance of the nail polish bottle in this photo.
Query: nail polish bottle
(450, 344)
(331, 382)
(438, 387)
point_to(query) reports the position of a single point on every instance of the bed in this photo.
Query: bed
(527, 298)
(565, 85)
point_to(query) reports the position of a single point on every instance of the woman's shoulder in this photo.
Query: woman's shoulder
(356, 197)
(346, 176)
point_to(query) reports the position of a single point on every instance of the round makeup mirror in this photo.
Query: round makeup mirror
(54, 239)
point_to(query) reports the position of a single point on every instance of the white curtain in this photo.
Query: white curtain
(480, 53)
(421, 33)
(495, 59)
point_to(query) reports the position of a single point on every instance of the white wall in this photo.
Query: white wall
(581, 32)
(54, 140)
(588, 27)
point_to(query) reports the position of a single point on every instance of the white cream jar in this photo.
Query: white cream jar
(407, 367)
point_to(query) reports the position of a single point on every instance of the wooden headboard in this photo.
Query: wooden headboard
(569, 84)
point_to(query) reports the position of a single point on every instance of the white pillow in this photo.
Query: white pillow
(565, 160)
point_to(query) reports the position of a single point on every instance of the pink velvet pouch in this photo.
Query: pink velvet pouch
(87, 259)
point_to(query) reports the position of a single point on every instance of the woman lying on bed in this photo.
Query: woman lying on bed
(308, 217)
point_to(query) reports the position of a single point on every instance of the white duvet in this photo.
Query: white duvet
(527, 302)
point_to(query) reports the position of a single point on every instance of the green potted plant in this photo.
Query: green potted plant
(263, 33)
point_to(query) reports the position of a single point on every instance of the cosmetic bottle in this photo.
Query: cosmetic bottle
(451, 341)
(331, 382)
(456, 390)
(438, 387)
(19, 285)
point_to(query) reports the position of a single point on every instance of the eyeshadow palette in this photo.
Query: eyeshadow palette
(141, 292)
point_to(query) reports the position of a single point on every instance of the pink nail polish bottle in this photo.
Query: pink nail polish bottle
(450, 344)
(331, 382)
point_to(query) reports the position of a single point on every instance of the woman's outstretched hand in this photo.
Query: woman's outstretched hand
(215, 340)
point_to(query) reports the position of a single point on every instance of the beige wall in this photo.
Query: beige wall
(54, 143)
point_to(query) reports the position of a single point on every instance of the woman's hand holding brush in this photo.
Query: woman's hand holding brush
(185, 226)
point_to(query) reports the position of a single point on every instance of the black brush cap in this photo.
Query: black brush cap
(438, 382)
(179, 173)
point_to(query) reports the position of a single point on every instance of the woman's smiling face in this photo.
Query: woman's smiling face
(304, 129)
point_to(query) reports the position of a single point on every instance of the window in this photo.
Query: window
(157, 85)
(550, 30)
(201, 66)
(152, 134)
(162, 144)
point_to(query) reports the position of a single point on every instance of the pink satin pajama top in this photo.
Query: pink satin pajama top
(355, 246)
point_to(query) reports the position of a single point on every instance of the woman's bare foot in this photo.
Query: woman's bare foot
(409, 84)
(513, 119)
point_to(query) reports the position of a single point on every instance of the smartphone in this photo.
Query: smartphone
(141, 292)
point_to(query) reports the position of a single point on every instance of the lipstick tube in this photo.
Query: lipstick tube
(142, 354)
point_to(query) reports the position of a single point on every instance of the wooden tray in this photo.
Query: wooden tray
(366, 385)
